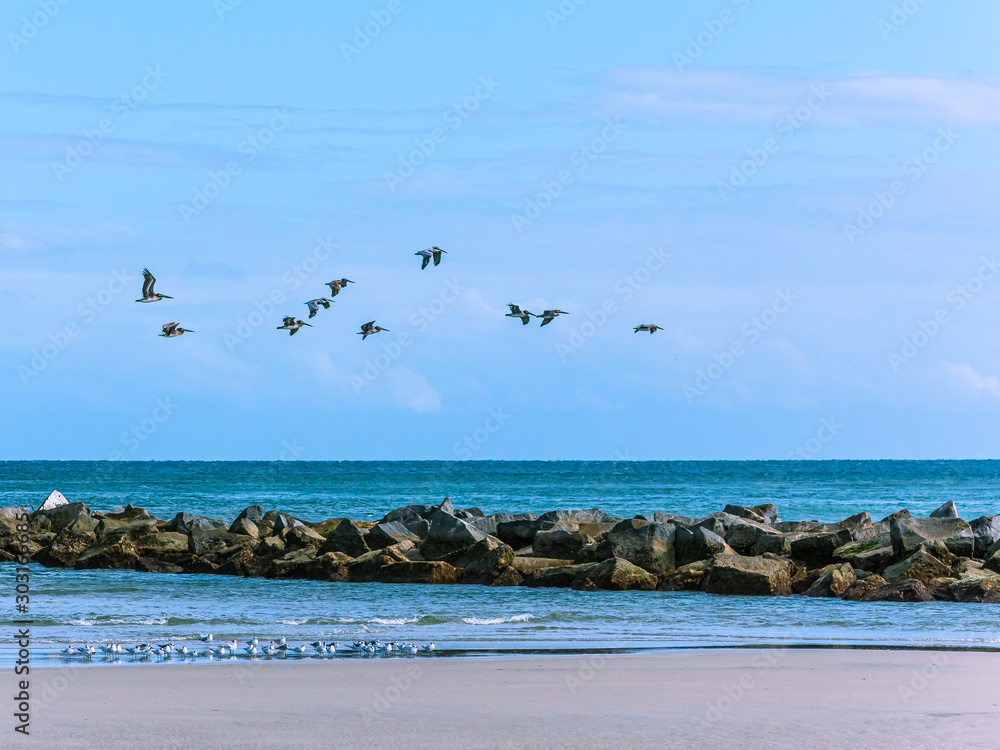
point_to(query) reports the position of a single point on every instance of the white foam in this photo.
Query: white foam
(497, 620)
(399, 621)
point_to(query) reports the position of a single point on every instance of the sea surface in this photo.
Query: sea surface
(99, 606)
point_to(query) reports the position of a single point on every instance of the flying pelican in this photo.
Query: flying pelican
(548, 315)
(369, 329)
(148, 295)
(651, 327)
(336, 285)
(172, 329)
(315, 304)
(517, 312)
(290, 324)
(434, 252)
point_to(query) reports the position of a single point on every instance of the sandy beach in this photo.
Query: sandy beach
(691, 699)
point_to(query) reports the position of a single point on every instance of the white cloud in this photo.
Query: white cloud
(735, 98)
(412, 391)
(967, 378)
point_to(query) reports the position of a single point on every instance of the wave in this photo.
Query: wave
(497, 620)
(397, 621)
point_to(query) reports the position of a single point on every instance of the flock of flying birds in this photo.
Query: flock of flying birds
(290, 324)
(253, 648)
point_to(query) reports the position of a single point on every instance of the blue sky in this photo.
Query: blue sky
(803, 195)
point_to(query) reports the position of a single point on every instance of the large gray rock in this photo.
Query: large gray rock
(753, 576)
(908, 590)
(560, 542)
(948, 510)
(985, 533)
(743, 535)
(254, 513)
(386, 533)
(649, 546)
(54, 500)
(484, 562)
(72, 517)
(833, 581)
(909, 534)
(921, 566)
(818, 549)
(615, 574)
(979, 590)
(346, 538)
(184, 523)
(12, 511)
(245, 526)
(434, 572)
(519, 533)
(698, 543)
(766, 513)
(490, 523)
(448, 534)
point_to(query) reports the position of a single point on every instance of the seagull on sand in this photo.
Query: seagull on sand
(336, 285)
(428, 647)
(148, 295)
(172, 329)
(369, 329)
(315, 304)
(548, 315)
(69, 651)
(651, 327)
(434, 252)
(206, 638)
(517, 312)
(290, 324)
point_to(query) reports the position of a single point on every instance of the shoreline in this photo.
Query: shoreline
(690, 699)
(54, 660)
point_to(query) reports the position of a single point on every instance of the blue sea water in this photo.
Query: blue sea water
(98, 606)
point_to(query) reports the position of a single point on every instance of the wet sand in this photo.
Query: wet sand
(812, 699)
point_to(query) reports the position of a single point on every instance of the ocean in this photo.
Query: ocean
(99, 606)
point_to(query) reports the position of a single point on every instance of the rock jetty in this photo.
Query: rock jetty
(741, 550)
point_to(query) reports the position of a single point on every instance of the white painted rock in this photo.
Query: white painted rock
(54, 500)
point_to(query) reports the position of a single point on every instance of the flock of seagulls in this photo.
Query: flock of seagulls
(290, 324)
(252, 648)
